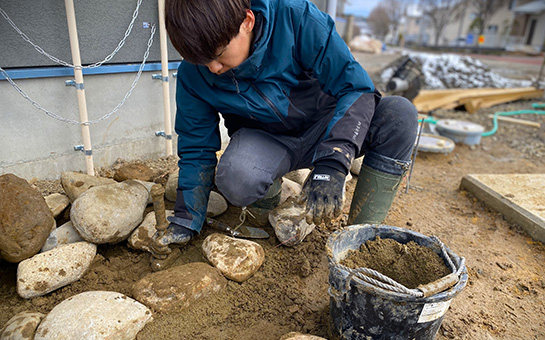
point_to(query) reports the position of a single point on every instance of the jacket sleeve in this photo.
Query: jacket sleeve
(320, 50)
(197, 126)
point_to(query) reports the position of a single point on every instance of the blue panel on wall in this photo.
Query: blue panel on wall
(48, 72)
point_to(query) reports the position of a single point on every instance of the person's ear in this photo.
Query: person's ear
(249, 21)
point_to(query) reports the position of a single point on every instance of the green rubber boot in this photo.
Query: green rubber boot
(373, 196)
(260, 209)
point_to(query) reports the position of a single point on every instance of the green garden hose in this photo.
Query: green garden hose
(428, 120)
(495, 119)
(510, 113)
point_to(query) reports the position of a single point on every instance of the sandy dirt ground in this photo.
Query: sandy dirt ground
(504, 298)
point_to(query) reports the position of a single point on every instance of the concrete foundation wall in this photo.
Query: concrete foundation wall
(36, 145)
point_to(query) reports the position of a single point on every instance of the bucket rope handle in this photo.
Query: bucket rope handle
(385, 282)
(456, 271)
(388, 284)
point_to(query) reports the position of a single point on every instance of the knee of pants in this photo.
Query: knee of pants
(402, 116)
(242, 186)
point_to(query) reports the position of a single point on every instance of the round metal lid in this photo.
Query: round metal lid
(459, 126)
(433, 143)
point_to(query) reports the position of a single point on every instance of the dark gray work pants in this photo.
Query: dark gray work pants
(254, 158)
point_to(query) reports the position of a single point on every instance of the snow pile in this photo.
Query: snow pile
(445, 71)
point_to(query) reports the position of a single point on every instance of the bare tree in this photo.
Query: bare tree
(379, 22)
(395, 10)
(439, 13)
(485, 10)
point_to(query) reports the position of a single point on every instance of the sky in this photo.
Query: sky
(360, 7)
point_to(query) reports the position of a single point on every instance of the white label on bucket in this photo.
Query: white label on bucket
(433, 311)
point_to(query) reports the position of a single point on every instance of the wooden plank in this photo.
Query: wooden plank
(474, 99)
(428, 100)
(486, 100)
(517, 121)
(519, 197)
(472, 105)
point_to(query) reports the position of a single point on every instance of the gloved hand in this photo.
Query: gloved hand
(176, 232)
(324, 194)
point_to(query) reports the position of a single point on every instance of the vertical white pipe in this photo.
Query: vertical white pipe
(78, 74)
(332, 8)
(164, 73)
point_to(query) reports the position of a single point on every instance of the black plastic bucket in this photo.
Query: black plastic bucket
(360, 310)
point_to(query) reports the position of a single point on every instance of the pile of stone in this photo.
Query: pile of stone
(107, 211)
(103, 211)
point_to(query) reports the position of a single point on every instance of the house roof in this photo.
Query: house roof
(534, 7)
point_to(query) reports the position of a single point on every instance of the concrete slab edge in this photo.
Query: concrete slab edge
(513, 213)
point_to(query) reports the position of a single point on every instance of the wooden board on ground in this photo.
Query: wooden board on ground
(519, 197)
(471, 99)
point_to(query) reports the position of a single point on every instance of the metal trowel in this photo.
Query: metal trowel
(240, 232)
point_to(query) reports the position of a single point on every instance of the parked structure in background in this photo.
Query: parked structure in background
(516, 25)
(344, 24)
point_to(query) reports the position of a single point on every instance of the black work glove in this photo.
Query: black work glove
(324, 192)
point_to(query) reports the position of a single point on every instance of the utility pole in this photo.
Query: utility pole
(536, 85)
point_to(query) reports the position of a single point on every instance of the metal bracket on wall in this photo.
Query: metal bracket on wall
(159, 77)
(163, 134)
(78, 86)
(82, 148)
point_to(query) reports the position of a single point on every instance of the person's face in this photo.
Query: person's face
(237, 50)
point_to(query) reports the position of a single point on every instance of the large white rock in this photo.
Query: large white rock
(57, 203)
(148, 186)
(356, 166)
(45, 272)
(217, 205)
(94, 315)
(178, 287)
(236, 259)
(109, 213)
(22, 326)
(141, 237)
(298, 176)
(289, 189)
(171, 186)
(64, 234)
(289, 224)
(75, 183)
(299, 336)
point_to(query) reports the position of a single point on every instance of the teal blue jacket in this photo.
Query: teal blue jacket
(299, 70)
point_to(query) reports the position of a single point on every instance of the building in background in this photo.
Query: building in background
(529, 25)
(415, 26)
(518, 26)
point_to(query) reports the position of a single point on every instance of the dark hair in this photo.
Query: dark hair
(198, 28)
